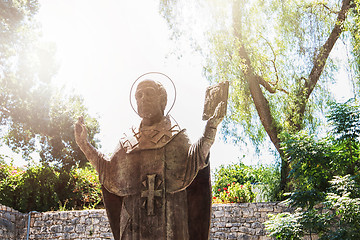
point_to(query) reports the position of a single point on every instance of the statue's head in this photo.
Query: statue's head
(151, 99)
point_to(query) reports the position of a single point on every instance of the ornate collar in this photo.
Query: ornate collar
(150, 137)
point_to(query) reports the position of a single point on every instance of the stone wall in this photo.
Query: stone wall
(242, 221)
(87, 224)
(229, 221)
(10, 222)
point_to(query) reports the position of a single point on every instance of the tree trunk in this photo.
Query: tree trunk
(319, 63)
(261, 103)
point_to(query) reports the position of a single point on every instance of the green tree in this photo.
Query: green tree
(34, 114)
(326, 174)
(276, 55)
(315, 162)
(354, 28)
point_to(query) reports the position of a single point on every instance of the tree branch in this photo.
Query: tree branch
(261, 104)
(318, 67)
(329, 9)
(273, 61)
(325, 50)
(266, 84)
(321, 5)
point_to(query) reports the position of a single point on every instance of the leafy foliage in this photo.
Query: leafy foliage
(233, 173)
(44, 188)
(311, 168)
(265, 178)
(267, 181)
(344, 200)
(276, 56)
(345, 120)
(336, 217)
(281, 40)
(285, 226)
(35, 116)
(326, 183)
(86, 187)
(315, 162)
(235, 193)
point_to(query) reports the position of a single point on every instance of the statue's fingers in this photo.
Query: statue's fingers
(220, 110)
(81, 120)
(223, 109)
(78, 127)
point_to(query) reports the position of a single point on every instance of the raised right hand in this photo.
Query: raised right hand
(80, 131)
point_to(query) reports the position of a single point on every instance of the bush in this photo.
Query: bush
(235, 193)
(267, 181)
(285, 226)
(344, 201)
(325, 172)
(224, 175)
(337, 217)
(314, 162)
(33, 189)
(10, 177)
(44, 188)
(266, 178)
(37, 189)
(87, 187)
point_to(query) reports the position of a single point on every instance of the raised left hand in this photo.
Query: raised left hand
(218, 116)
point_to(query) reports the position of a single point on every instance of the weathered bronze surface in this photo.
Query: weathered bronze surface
(213, 96)
(157, 184)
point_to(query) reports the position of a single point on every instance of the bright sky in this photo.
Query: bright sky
(103, 46)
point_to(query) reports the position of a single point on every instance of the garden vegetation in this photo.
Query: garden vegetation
(43, 188)
(325, 180)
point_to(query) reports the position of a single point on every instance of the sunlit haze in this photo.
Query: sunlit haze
(103, 46)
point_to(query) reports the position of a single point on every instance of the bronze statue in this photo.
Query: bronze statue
(156, 185)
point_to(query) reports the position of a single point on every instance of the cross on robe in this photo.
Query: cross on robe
(150, 194)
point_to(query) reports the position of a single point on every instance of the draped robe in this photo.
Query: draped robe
(157, 186)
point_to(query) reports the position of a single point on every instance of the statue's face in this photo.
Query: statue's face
(148, 100)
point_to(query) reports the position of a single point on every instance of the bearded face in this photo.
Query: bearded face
(149, 100)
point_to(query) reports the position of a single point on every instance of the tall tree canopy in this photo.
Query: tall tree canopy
(277, 55)
(34, 114)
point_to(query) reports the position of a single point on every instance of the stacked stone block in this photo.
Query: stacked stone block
(10, 221)
(242, 221)
(229, 221)
(76, 225)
